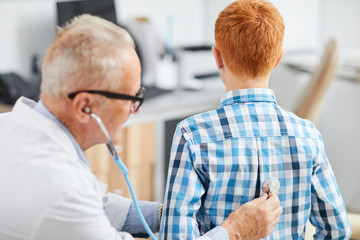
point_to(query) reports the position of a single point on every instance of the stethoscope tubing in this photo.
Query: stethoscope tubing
(120, 164)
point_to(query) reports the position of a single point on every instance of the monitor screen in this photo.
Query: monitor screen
(69, 9)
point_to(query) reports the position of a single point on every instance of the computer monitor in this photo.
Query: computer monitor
(69, 9)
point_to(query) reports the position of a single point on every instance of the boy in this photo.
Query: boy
(220, 158)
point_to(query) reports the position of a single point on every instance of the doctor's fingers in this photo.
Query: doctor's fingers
(269, 207)
(273, 202)
(275, 214)
(268, 202)
(274, 210)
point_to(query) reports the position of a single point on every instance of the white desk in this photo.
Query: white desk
(180, 103)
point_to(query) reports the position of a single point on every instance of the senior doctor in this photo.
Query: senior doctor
(47, 188)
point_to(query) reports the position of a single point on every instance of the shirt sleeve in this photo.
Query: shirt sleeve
(217, 233)
(116, 209)
(133, 224)
(77, 215)
(328, 213)
(123, 216)
(183, 193)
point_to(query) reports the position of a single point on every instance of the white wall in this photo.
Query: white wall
(27, 28)
(177, 22)
(341, 19)
(302, 19)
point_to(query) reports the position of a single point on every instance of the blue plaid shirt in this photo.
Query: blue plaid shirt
(219, 160)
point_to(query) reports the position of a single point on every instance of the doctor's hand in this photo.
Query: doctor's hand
(255, 219)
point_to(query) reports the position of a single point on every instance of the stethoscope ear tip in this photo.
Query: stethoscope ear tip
(87, 110)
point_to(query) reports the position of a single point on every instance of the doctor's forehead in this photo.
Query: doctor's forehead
(130, 67)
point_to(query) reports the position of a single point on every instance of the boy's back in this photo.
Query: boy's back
(221, 158)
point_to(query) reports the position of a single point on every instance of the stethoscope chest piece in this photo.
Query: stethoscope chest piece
(272, 184)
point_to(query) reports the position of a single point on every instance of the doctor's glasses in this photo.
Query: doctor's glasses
(137, 100)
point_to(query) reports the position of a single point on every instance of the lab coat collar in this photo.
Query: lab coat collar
(40, 107)
(24, 111)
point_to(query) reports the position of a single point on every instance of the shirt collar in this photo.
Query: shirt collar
(40, 107)
(248, 95)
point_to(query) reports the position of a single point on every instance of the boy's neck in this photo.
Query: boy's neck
(233, 82)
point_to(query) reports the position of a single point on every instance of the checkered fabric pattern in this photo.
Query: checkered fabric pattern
(220, 159)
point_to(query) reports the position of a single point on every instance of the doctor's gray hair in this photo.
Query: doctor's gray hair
(84, 55)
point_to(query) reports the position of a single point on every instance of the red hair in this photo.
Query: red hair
(249, 35)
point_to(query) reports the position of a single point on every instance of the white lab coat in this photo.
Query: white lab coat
(46, 192)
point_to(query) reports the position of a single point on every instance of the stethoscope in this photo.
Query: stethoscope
(122, 167)
(272, 184)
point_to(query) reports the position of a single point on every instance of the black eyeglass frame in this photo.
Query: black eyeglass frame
(138, 98)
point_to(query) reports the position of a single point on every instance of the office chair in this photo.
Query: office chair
(354, 219)
(310, 105)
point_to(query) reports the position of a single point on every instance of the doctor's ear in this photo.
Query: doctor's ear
(87, 109)
(82, 105)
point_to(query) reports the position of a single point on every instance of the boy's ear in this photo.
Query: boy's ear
(218, 58)
(279, 58)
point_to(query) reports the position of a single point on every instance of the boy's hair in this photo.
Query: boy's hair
(249, 35)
